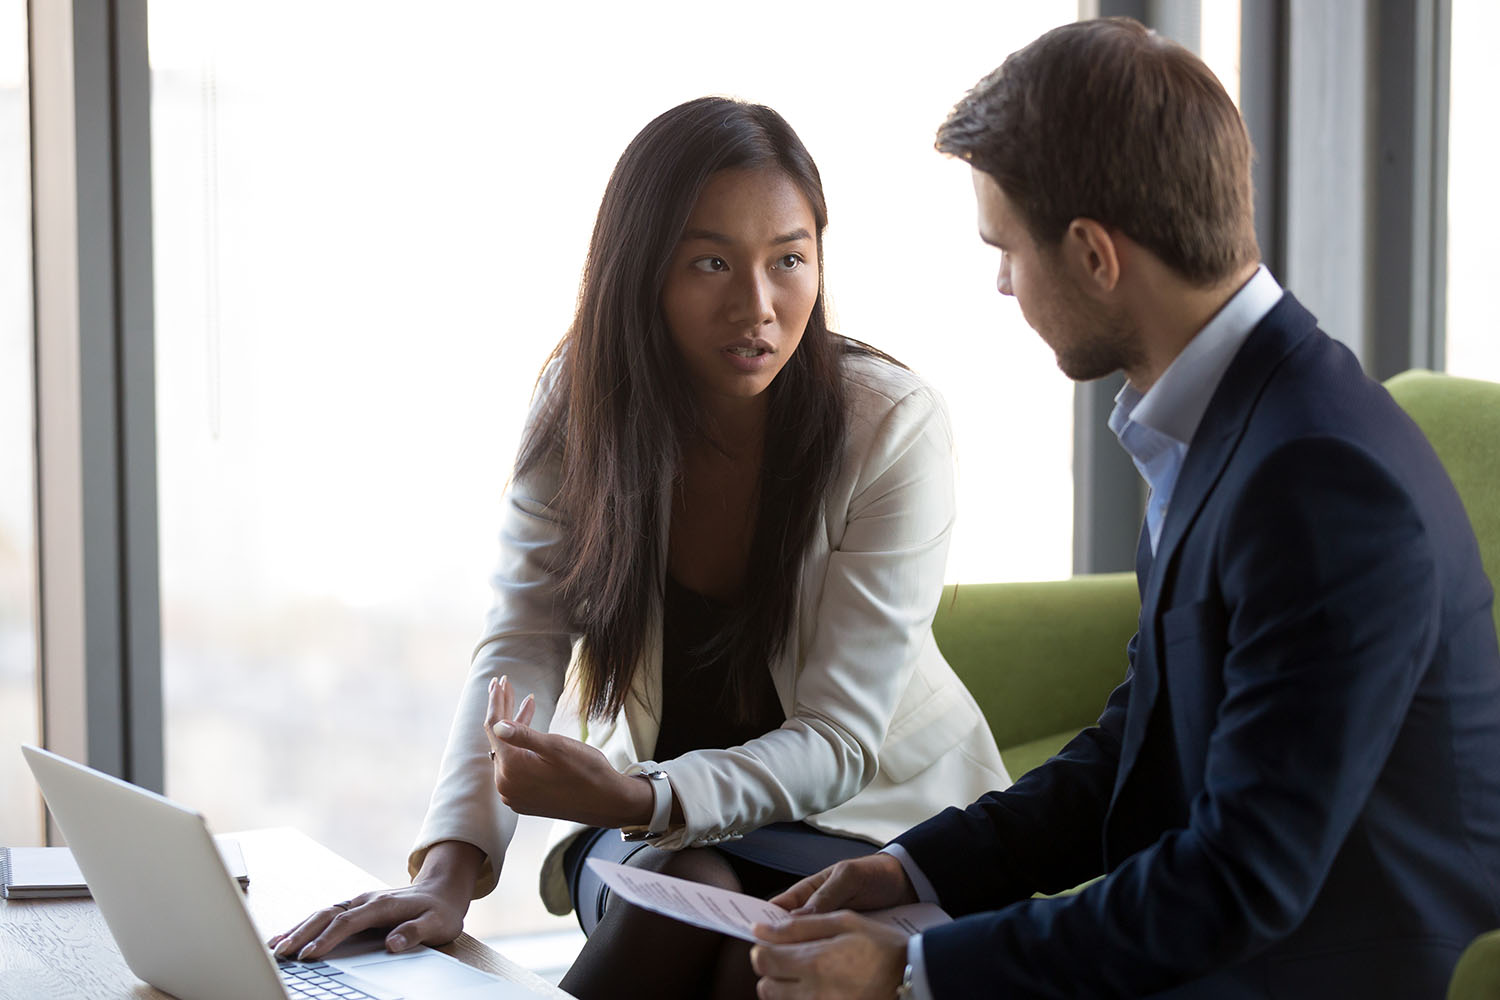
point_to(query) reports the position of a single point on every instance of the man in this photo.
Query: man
(1296, 790)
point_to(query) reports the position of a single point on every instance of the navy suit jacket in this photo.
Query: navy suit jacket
(1296, 790)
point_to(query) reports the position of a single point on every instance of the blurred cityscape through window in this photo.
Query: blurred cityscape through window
(370, 220)
(21, 819)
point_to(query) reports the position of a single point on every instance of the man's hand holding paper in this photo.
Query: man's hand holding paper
(808, 942)
(743, 916)
(825, 950)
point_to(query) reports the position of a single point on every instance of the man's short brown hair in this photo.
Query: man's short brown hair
(1108, 121)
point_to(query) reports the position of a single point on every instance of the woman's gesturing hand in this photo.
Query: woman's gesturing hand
(544, 774)
(429, 911)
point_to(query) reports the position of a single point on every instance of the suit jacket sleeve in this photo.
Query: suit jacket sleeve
(1324, 626)
(1040, 835)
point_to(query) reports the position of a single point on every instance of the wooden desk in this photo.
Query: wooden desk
(61, 948)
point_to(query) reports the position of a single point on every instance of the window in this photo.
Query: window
(1219, 42)
(1473, 216)
(21, 819)
(369, 229)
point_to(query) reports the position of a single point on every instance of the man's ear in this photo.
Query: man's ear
(1092, 254)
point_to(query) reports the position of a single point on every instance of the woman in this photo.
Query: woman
(733, 524)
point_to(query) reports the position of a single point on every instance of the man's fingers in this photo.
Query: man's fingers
(814, 927)
(782, 961)
(783, 989)
(798, 894)
(834, 892)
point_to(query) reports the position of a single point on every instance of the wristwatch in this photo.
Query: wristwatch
(905, 991)
(661, 809)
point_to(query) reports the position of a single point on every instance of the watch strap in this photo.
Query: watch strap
(661, 809)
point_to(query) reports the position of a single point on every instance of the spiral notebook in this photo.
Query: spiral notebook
(51, 872)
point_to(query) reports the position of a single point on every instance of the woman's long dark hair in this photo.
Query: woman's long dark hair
(623, 405)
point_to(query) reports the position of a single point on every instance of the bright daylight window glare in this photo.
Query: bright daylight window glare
(21, 819)
(1473, 336)
(369, 228)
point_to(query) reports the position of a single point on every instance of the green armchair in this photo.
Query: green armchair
(1041, 658)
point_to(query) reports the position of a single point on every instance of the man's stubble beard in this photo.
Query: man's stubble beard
(1111, 344)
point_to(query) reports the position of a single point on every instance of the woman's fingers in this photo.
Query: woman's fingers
(427, 927)
(493, 713)
(507, 698)
(502, 709)
(384, 910)
(333, 923)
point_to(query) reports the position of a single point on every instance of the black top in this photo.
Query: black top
(695, 710)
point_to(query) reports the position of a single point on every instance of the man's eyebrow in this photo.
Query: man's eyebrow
(715, 237)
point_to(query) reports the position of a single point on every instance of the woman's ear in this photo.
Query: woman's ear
(1092, 254)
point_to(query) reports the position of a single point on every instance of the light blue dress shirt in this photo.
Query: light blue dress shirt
(1155, 429)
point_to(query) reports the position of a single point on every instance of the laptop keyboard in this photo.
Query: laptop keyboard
(317, 981)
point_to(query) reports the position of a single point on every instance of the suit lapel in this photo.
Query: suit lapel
(1212, 446)
(1222, 426)
(1143, 685)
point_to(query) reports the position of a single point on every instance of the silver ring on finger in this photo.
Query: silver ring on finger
(346, 905)
(492, 756)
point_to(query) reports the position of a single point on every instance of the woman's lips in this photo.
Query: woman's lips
(749, 358)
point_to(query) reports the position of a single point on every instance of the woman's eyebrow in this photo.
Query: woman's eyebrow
(705, 234)
(714, 237)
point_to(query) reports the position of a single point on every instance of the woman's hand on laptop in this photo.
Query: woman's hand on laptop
(429, 911)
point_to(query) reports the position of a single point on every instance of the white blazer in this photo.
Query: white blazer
(879, 733)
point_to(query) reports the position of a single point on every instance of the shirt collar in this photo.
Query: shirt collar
(1176, 403)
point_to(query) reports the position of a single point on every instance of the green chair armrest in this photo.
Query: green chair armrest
(1039, 658)
(1477, 975)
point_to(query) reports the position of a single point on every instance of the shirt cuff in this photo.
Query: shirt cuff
(925, 892)
(920, 990)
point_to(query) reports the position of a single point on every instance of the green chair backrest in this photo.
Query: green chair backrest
(1039, 658)
(1461, 417)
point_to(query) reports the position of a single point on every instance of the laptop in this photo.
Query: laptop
(179, 918)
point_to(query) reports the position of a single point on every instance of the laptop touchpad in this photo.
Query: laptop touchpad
(428, 973)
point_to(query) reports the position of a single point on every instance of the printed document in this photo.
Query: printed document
(733, 913)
